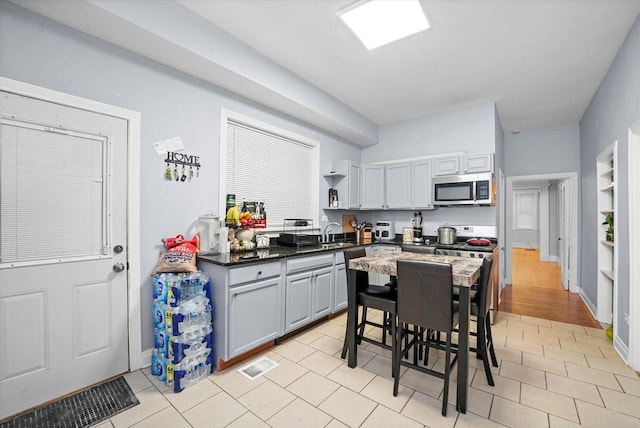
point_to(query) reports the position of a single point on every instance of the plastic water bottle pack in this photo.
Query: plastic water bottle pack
(174, 288)
(190, 343)
(191, 314)
(190, 370)
(183, 334)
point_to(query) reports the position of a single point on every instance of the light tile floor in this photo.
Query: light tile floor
(551, 375)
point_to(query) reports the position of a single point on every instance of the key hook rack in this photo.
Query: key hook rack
(186, 161)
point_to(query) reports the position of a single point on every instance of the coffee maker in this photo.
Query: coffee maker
(417, 226)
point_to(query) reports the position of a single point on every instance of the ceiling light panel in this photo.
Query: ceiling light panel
(379, 22)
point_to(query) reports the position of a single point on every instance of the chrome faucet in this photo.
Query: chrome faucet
(325, 234)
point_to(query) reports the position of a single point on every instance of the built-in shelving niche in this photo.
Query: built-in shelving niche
(607, 247)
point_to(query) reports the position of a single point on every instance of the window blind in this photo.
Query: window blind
(525, 209)
(264, 166)
(52, 194)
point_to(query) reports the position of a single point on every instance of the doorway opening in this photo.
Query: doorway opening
(541, 240)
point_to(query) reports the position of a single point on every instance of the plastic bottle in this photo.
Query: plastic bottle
(154, 360)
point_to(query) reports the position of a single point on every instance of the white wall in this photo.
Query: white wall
(614, 108)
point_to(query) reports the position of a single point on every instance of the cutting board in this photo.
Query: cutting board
(346, 223)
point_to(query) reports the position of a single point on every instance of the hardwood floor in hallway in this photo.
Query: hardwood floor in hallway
(537, 291)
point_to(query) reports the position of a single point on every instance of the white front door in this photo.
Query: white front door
(563, 233)
(63, 255)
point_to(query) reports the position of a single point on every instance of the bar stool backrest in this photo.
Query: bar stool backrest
(484, 288)
(362, 277)
(425, 294)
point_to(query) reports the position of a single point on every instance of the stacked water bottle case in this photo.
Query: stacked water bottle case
(183, 345)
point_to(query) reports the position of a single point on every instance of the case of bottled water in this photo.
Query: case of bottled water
(183, 333)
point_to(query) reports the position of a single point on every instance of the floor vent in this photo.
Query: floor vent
(258, 368)
(81, 409)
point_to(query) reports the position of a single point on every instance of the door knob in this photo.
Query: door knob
(118, 267)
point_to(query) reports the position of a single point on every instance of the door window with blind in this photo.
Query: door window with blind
(53, 186)
(270, 165)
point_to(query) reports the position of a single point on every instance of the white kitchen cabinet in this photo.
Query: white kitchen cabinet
(372, 185)
(345, 177)
(481, 162)
(339, 283)
(321, 292)
(397, 184)
(449, 165)
(298, 300)
(247, 306)
(253, 318)
(308, 290)
(353, 200)
(421, 186)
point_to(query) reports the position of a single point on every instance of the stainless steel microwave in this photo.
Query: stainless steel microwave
(466, 189)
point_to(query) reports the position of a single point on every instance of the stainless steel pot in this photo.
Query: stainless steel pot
(446, 235)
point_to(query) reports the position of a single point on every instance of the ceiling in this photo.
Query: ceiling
(540, 61)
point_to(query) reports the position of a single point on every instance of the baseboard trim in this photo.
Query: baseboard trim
(621, 349)
(589, 304)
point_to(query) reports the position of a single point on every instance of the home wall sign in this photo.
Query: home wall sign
(185, 170)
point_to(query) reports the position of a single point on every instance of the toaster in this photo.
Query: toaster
(384, 231)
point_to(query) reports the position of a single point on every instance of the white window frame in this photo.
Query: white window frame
(226, 116)
(106, 250)
(522, 193)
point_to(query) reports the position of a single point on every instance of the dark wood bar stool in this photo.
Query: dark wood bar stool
(480, 308)
(381, 297)
(425, 300)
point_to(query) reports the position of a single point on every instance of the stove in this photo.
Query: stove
(462, 249)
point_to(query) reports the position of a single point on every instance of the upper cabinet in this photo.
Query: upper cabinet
(345, 178)
(463, 164)
(372, 185)
(353, 199)
(421, 188)
(449, 165)
(482, 162)
(397, 185)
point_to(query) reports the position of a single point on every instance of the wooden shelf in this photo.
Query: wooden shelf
(607, 173)
(333, 175)
(607, 243)
(608, 274)
(609, 187)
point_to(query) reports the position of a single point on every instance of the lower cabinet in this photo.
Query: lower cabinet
(340, 284)
(308, 290)
(255, 304)
(247, 306)
(252, 318)
(298, 301)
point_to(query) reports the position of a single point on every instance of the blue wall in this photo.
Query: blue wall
(42, 52)
(614, 108)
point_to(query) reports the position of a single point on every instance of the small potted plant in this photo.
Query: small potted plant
(609, 222)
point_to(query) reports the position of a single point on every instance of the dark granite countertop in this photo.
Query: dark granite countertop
(275, 252)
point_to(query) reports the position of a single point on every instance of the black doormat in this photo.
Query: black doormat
(82, 409)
